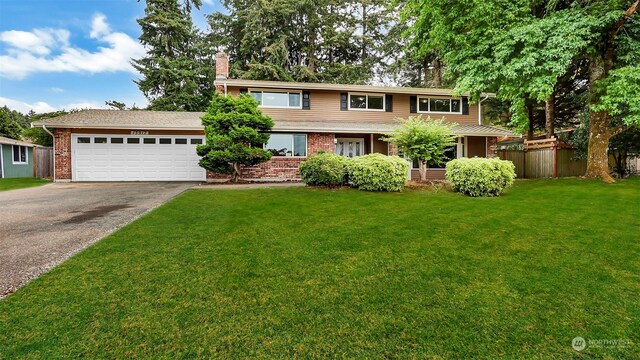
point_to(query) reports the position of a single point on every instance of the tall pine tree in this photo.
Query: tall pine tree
(176, 71)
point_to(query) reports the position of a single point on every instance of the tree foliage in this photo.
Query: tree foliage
(235, 133)
(177, 71)
(303, 40)
(425, 140)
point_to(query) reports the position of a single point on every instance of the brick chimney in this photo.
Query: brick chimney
(222, 66)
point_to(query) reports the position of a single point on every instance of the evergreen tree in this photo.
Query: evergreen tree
(302, 40)
(176, 71)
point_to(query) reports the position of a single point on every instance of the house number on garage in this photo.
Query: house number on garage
(139, 132)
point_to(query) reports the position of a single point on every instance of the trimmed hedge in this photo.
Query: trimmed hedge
(480, 176)
(324, 169)
(377, 172)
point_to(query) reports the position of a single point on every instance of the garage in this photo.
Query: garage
(117, 157)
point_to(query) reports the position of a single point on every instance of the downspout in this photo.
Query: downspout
(225, 88)
(480, 109)
(44, 127)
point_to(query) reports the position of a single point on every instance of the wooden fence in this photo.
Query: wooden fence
(43, 162)
(544, 159)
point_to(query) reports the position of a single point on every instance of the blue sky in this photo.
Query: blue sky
(62, 54)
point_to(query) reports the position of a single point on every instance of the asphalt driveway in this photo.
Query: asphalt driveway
(42, 226)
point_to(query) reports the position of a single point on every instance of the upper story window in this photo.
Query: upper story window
(439, 105)
(278, 99)
(20, 154)
(361, 101)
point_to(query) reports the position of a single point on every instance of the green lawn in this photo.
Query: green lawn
(319, 273)
(19, 183)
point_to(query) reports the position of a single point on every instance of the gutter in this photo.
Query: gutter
(44, 127)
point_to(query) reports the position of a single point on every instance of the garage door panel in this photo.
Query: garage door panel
(113, 161)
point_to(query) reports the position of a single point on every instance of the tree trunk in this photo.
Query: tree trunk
(236, 172)
(600, 122)
(423, 169)
(530, 112)
(550, 115)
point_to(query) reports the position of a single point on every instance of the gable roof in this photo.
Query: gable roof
(10, 141)
(176, 120)
(340, 87)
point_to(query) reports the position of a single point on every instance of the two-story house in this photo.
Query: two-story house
(113, 145)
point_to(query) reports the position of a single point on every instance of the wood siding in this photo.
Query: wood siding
(325, 106)
(477, 146)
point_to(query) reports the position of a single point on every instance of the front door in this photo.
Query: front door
(349, 147)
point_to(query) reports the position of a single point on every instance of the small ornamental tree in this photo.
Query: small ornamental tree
(235, 131)
(425, 140)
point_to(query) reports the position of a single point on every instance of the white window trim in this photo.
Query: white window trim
(306, 146)
(13, 155)
(437, 112)
(278, 91)
(384, 101)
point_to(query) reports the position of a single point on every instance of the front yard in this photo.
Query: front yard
(319, 273)
(19, 183)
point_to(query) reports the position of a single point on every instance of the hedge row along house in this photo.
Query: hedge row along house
(119, 145)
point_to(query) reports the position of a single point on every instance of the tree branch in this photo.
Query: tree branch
(620, 23)
(618, 129)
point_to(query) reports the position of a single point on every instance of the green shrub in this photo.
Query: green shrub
(324, 169)
(377, 172)
(480, 176)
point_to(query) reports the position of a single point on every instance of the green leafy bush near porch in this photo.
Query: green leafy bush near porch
(377, 172)
(324, 169)
(480, 176)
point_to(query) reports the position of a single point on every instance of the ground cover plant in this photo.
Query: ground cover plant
(19, 183)
(311, 272)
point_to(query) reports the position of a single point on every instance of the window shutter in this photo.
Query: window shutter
(244, 91)
(465, 106)
(344, 99)
(388, 101)
(306, 100)
(413, 104)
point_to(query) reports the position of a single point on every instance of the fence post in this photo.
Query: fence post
(555, 159)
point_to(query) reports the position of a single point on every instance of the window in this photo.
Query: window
(133, 141)
(287, 144)
(84, 140)
(165, 141)
(100, 140)
(149, 140)
(451, 153)
(374, 102)
(196, 141)
(117, 140)
(20, 154)
(181, 141)
(439, 105)
(278, 99)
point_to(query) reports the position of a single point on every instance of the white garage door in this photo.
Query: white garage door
(98, 157)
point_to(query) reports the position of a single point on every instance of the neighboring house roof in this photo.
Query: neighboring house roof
(9, 141)
(340, 87)
(170, 120)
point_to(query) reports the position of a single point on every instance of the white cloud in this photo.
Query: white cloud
(99, 26)
(56, 90)
(49, 50)
(42, 107)
(208, 2)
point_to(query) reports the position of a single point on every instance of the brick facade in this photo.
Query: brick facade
(283, 168)
(492, 146)
(62, 155)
